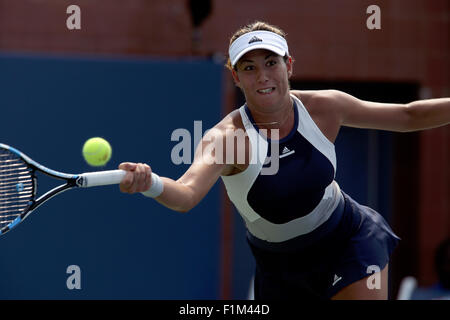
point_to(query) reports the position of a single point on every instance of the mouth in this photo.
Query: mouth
(266, 90)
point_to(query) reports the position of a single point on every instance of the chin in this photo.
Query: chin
(268, 100)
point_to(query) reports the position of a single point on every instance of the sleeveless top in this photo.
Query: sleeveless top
(288, 189)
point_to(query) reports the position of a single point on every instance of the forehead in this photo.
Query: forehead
(257, 54)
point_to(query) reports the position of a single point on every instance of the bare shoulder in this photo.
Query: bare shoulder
(235, 143)
(351, 111)
(232, 121)
(321, 106)
(230, 124)
(318, 101)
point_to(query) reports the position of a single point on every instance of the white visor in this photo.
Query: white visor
(260, 39)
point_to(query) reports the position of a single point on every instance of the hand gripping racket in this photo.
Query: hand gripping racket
(18, 185)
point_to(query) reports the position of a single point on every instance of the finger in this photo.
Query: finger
(141, 172)
(127, 182)
(128, 166)
(148, 177)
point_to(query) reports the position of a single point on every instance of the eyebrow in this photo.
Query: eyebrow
(267, 57)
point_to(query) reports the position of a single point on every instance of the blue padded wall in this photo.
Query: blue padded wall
(127, 246)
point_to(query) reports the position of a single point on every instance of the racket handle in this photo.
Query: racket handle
(102, 178)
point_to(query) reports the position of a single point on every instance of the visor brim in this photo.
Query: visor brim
(265, 46)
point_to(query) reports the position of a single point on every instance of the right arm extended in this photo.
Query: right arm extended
(185, 193)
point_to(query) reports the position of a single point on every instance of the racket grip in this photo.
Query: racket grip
(102, 178)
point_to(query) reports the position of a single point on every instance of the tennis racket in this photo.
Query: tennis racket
(18, 185)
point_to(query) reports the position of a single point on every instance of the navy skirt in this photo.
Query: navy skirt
(353, 242)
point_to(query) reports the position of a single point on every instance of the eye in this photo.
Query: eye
(271, 63)
(248, 68)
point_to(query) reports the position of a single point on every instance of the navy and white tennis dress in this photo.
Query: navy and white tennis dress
(308, 237)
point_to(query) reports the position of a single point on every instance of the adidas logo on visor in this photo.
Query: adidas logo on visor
(255, 39)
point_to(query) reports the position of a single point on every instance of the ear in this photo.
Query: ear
(235, 78)
(290, 66)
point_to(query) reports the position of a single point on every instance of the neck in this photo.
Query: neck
(274, 118)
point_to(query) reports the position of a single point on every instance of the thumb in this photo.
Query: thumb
(128, 166)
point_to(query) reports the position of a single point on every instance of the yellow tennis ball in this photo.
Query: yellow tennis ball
(97, 151)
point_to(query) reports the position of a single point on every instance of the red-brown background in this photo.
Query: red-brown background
(328, 39)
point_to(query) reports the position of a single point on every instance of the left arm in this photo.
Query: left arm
(430, 113)
(414, 116)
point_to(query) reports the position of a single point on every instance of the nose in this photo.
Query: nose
(262, 76)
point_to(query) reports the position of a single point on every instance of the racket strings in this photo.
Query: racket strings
(16, 187)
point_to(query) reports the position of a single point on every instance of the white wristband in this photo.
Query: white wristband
(157, 187)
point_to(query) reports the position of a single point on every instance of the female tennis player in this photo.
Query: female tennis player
(309, 238)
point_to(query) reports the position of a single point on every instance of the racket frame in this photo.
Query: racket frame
(72, 181)
(83, 180)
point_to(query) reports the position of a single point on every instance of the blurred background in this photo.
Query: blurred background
(139, 69)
